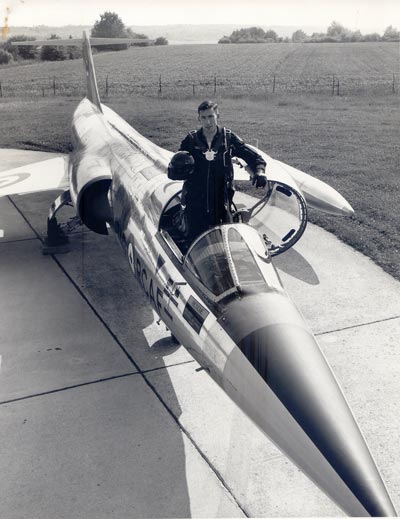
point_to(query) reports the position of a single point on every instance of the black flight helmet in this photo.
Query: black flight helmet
(181, 166)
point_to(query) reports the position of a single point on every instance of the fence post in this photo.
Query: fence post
(215, 84)
(43, 91)
(194, 90)
(54, 86)
(1, 90)
(273, 86)
(333, 84)
(107, 85)
(160, 86)
(394, 84)
(338, 87)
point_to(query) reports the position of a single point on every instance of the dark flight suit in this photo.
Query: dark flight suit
(208, 192)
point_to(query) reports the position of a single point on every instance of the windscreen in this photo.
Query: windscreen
(209, 263)
(245, 267)
(222, 261)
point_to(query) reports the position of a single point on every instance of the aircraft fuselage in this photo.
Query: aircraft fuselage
(225, 303)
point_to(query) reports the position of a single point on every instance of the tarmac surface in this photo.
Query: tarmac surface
(103, 416)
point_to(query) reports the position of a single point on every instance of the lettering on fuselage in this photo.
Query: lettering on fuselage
(194, 313)
(13, 179)
(146, 281)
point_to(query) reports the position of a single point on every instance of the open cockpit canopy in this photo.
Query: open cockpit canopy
(280, 216)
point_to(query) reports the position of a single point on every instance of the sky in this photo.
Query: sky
(365, 15)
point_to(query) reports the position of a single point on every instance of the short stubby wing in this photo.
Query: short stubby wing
(23, 171)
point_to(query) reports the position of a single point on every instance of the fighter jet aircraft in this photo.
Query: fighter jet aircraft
(222, 299)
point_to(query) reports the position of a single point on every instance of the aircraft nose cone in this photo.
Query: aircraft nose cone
(324, 439)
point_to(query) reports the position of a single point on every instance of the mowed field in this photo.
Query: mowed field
(351, 141)
(245, 69)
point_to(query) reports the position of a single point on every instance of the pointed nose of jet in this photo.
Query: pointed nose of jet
(304, 412)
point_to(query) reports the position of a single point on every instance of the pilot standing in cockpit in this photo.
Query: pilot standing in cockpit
(205, 163)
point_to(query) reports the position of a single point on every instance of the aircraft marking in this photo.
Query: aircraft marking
(131, 257)
(195, 314)
(160, 263)
(171, 299)
(169, 294)
(147, 283)
(10, 180)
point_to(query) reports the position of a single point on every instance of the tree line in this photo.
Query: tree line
(109, 25)
(335, 33)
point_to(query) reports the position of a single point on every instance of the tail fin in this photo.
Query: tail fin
(92, 92)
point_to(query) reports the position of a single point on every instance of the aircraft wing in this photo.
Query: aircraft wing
(23, 171)
(317, 194)
(281, 213)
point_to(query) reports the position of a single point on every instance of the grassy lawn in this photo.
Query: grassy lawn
(352, 143)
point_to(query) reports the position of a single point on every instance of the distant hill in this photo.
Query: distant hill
(179, 34)
(44, 31)
(175, 34)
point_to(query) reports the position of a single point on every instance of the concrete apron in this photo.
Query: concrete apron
(83, 433)
(130, 443)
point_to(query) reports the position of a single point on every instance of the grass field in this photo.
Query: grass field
(244, 69)
(351, 142)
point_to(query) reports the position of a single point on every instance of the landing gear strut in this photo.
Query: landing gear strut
(57, 240)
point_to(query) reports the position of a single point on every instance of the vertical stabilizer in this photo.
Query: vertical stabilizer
(92, 92)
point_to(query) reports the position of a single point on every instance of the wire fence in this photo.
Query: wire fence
(227, 86)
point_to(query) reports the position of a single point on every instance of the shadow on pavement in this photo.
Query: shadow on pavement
(295, 265)
(105, 448)
(103, 275)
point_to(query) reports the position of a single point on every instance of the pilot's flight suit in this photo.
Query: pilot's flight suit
(208, 192)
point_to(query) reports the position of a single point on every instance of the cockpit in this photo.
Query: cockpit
(280, 216)
(232, 258)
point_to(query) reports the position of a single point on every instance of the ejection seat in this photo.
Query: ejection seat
(170, 223)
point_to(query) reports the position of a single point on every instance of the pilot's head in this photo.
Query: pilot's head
(208, 116)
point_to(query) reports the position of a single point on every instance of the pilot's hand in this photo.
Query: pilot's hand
(260, 179)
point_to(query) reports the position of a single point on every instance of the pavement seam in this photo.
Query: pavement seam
(360, 325)
(91, 382)
(7, 242)
(25, 219)
(152, 388)
(66, 388)
(140, 372)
